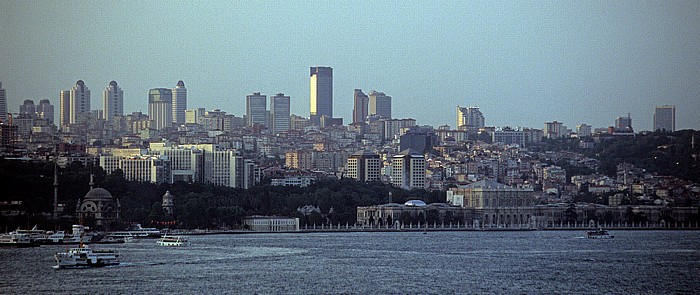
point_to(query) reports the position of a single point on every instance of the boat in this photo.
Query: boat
(35, 235)
(599, 234)
(83, 256)
(136, 231)
(17, 240)
(115, 239)
(167, 240)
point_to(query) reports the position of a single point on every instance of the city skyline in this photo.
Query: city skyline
(522, 64)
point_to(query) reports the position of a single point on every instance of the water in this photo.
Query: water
(377, 263)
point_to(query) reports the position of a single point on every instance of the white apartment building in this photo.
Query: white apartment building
(408, 170)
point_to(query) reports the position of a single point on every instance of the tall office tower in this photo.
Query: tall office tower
(27, 110)
(64, 107)
(359, 112)
(79, 103)
(179, 103)
(364, 165)
(408, 170)
(160, 109)
(256, 109)
(45, 110)
(665, 118)
(112, 101)
(321, 94)
(469, 118)
(379, 104)
(623, 122)
(279, 113)
(3, 105)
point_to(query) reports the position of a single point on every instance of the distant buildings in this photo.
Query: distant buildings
(179, 103)
(470, 118)
(554, 129)
(622, 123)
(279, 113)
(79, 103)
(64, 108)
(408, 170)
(665, 118)
(583, 130)
(494, 203)
(321, 93)
(45, 111)
(27, 109)
(509, 136)
(112, 101)
(256, 109)
(364, 165)
(419, 139)
(359, 112)
(3, 105)
(379, 104)
(160, 110)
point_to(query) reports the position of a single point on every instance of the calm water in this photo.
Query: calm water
(438, 262)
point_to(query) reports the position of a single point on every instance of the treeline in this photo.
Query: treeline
(196, 205)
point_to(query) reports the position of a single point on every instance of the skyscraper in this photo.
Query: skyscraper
(256, 109)
(179, 103)
(112, 101)
(3, 105)
(279, 113)
(359, 112)
(469, 118)
(27, 110)
(45, 110)
(160, 109)
(665, 118)
(64, 107)
(321, 93)
(379, 104)
(79, 103)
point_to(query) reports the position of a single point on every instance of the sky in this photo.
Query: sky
(521, 62)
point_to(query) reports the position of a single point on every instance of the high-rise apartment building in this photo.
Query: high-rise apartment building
(79, 103)
(256, 109)
(321, 93)
(665, 118)
(554, 129)
(279, 113)
(27, 110)
(379, 104)
(179, 103)
(45, 111)
(160, 110)
(408, 170)
(112, 101)
(470, 118)
(364, 165)
(3, 105)
(583, 130)
(360, 112)
(64, 107)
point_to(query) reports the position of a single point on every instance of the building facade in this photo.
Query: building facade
(45, 111)
(179, 103)
(379, 104)
(160, 110)
(494, 203)
(408, 170)
(3, 104)
(64, 108)
(256, 109)
(321, 93)
(359, 111)
(79, 103)
(271, 223)
(364, 165)
(279, 113)
(112, 101)
(665, 118)
(470, 118)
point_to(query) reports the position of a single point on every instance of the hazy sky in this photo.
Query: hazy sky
(522, 63)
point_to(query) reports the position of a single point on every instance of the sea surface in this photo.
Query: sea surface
(493, 262)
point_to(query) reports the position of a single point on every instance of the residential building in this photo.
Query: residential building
(408, 170)
(364, 165)
(665, 118)
(256, 109)
(470, 118)
(509, 136)
(554, 129)
(112, 101)
(359, 111)
(583, 130)
(160, 110)
(79, 103)
(379, 104)
(179, 103)
(279, 113)
(321, 93)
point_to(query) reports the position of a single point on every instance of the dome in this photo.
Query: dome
(98, 194)
(180, 83)
(415, 203)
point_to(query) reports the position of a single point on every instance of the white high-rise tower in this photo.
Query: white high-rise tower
(79, 103)
(112, 101)
(179, 103)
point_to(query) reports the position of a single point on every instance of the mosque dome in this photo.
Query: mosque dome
(415, 203)
(98, 194)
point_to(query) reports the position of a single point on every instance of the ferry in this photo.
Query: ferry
(17, 240)
(599, 234)
(136, 231)
(167, 240)
(83, 257)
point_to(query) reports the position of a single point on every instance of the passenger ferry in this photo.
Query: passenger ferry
(167, 240)
(83, 257)
(599, 234)
(17, 240)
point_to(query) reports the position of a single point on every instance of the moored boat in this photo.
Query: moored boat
(17, 240)
(599, 234)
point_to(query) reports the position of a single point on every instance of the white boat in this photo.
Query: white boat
(167, 240)
(83, 256)
(599, 234)
(35, 235)
(136, 231)
(17, 240)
